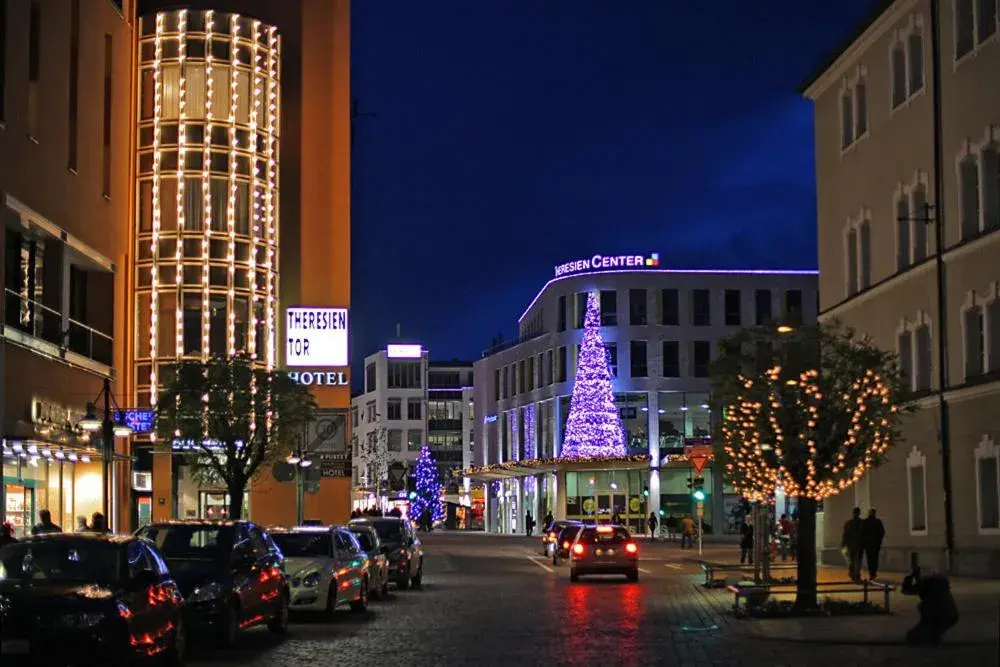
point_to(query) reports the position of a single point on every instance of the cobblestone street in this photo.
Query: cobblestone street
(495, 601)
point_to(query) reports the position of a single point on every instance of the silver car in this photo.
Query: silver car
(604, 550)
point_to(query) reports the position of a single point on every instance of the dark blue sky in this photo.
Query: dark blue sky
(512, 135)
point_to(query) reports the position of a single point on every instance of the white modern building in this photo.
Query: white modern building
(660, 327)
(409, 401)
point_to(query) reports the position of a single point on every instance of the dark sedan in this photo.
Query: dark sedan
(230, 572)
(88, 597)
(402, 547)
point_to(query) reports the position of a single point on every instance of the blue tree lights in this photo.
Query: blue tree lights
(594, 427)
(427, 495)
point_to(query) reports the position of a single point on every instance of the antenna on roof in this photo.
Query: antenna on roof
(397, 330)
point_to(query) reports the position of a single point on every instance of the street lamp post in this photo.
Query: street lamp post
(109, 429)
(300, 459)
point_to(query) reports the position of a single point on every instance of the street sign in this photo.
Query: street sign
(335, 465)
(397, 476)
(698, 456)
(701, 509)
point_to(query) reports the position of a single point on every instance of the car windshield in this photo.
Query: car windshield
(389, 531)
(62, 562)
(366, 539)
(303, 545)
(192, 541)
(605, 535)
(569, 532)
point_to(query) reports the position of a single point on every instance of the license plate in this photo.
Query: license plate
(15, 647)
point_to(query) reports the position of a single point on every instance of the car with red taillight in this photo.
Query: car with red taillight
(551, 534)
(564, 541)
(604, 550)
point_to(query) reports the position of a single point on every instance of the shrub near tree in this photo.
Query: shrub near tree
(809, 410)
(234, 418)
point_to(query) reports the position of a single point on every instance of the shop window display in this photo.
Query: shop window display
(634, 411)
(683, 415)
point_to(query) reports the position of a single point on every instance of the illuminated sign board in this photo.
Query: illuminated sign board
(316, 337)
(140, 421)
(609, 262)
(404, 351)
(324, 378)
(489, 419)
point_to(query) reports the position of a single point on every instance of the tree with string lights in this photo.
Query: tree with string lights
(808, 410)
(593, 427)
(230, 417)
(427, 494)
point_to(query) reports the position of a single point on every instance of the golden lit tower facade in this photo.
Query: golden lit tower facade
(206, 242)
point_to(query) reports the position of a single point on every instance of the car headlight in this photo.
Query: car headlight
(311, 580)
(211, 591)
(82, 620)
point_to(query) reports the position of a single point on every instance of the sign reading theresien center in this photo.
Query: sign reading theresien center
(316, 337)
(609, 263)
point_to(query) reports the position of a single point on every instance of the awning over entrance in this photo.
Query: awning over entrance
(516, 469)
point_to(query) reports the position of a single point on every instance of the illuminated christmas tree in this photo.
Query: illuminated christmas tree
(594, 427)
(427, 495)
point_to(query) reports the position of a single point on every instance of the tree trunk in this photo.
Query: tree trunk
(805, 583)
(236, 491)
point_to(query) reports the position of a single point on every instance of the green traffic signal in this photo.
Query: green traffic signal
(662, 512)
(699, 495)
(645, 492)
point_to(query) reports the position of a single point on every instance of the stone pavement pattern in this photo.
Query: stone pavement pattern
(491, 602)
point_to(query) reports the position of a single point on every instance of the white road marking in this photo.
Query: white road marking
(540, 564)
(644, 570)
(674, 566)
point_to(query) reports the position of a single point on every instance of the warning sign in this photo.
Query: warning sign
(698, 456)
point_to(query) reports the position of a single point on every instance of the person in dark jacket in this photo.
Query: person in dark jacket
(852, 545)
(45, 525)
(6, 535)
(652, 522)
(746, 543)
(872, 534)
(938, 611)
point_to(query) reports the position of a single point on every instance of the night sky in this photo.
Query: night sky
(512, 135)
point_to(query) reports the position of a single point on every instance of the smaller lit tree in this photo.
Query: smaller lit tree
(427, 494)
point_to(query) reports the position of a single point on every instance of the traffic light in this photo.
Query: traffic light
(699, 495)
(697, 486)
(663, 512)
(645, 492)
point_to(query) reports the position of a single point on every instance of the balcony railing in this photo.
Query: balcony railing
(36, 319)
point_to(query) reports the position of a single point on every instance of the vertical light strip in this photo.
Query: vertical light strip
(181, 151)
(254, 194)
(206, 184)
(272, 112)
(154, 300)
(234, 94)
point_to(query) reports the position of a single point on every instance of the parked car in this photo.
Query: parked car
(402, 547)
(326, 566)
(230, 573)
(550, 536)
(604, 550)
(564, 541)
(378, 562)
(103, 599)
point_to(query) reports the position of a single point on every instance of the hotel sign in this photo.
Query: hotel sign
(609, 263)
(316, 337)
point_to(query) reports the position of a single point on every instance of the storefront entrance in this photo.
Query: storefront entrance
(596, 495)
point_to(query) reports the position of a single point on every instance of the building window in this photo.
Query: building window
(671, 359)
(370, 375)
(906, 61)
(915, 61)
(637, 307)
(965, 27)
(764, 314)
(702, 358)
(986, 20)
(106, 121)
(903, 223)
(864, 255)
(792, 310)
(897, 62)
(394, 409)
(854, 111)
(609, 308)
(988, 486)
(413, 410)
(669, 307)
(974, 333)
(520, 376)
(920, 217)
(561, 314)
(371, 412)
(496, 385)
(733, 308)
(990, 160)
(637, 359)
(916, 477)
(549, 369)
(581, 310)
(701, 308)
(968, 192)
(846, 118)
(414, 440)
(904, 348)
(851, 249)
(395, 440)
(860, 109)
(405, 375)
(529, 376)
(3, 58)
(561, 364)
(73, 98)
(512, 391)
(611, 353)
(923, 359)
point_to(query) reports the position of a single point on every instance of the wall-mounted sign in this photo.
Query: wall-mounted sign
(324, 378)
(605, 262)
(140, 421)
(397, 351)
(489, 419)
(316, 337)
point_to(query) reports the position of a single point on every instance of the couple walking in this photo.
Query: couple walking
(862, 538)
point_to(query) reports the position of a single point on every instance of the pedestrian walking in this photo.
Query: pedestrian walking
(548, 520)
(746, 543)
(851, 544)
(687, 532)
(45, 525)
(529, 523)
(652, 522)
(616, 519)
(872, 534)
(396, 512)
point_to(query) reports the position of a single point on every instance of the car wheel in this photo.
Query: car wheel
(573, 576)
(174, 655)
(633, 575)
(229, 628)
(331, 598)
(279, 622)
(361, 604)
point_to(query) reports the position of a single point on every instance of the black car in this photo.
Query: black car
(230, 572)
(93, 597)
(565, 540)
(402, 546)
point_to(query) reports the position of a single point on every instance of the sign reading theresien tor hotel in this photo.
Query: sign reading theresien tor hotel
(609, 263)
(316, 337)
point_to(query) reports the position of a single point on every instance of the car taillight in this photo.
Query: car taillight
(631, 548)
(578, 549)
(566, 546)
